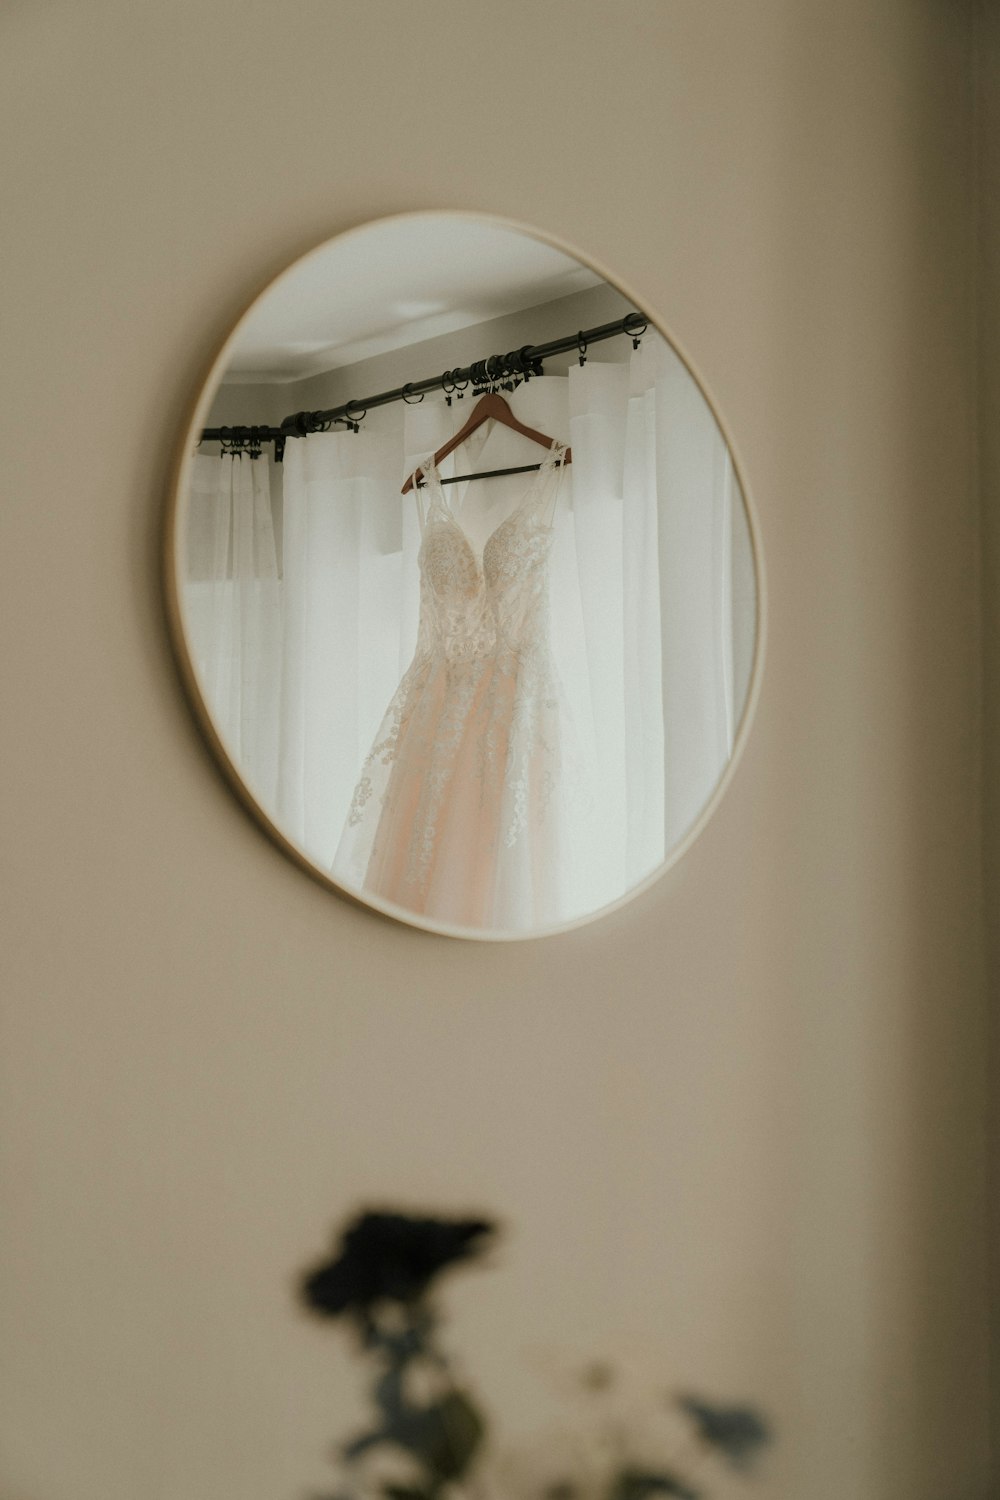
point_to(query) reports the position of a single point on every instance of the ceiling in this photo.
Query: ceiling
(392, 283)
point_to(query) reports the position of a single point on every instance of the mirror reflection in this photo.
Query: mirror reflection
(465, 577)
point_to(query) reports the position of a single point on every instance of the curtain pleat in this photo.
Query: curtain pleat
(695, 490)
(232, 602)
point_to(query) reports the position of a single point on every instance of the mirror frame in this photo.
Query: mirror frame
(178, 489)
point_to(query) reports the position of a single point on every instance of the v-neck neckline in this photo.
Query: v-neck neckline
(553, 460)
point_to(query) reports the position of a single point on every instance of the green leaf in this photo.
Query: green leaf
(453, 1434)
(641, 1484)
(443, 1436)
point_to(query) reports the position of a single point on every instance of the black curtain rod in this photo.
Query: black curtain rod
(525, 362)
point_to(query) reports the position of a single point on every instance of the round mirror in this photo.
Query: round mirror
(463, 578)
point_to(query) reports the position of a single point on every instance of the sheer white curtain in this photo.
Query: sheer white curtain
(651, 642)
(659, 531)
(232, 603)
(348, 601)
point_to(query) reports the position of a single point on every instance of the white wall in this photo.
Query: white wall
(535, 325)
(740, 1124)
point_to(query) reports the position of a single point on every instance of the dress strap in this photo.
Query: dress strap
(549, 473)
(427, 469)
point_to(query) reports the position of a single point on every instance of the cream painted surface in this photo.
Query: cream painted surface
(740, 1124)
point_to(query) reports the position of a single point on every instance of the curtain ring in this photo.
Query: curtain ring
(636, 333)
(354, 422)
(408, 387)
(581, 344)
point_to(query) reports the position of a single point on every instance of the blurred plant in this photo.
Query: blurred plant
(623, 1448)
(381, 1279)
(735, 1432)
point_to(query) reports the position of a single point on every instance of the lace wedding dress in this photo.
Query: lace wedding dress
(461, 811)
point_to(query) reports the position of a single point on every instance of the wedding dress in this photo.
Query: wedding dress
(461, 811)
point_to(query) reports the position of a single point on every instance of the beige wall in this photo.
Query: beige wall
(739, 1126)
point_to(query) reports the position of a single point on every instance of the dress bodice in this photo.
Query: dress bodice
(469, 608)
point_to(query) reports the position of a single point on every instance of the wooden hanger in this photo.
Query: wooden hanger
(488, 406)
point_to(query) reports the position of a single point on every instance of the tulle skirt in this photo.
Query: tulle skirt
(461, 813)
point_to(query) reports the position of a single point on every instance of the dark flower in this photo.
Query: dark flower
(736, 1432)
(389, 1256)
